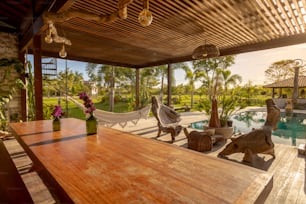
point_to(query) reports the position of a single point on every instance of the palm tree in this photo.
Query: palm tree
(148, 80)
(229, 99)
(162, 73)
(192, 75)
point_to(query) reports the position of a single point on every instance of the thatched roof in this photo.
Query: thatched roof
(287, 83)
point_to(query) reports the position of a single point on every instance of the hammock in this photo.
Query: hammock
(110, 118)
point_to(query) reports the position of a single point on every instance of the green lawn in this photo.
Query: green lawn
(76, 112)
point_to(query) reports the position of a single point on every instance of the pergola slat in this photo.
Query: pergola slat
(178, 27)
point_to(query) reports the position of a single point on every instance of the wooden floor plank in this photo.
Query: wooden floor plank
(280, 174)
(286, 177)
(296, 185)
(301, 197)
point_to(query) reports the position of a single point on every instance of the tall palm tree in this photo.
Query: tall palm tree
(148, 80)
(228, 98)
(162, 73)
(192, 75)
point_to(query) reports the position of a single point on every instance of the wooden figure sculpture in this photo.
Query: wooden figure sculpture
(168, 120)
(258, 140)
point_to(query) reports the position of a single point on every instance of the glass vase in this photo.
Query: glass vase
(91, 125)
(56, 124)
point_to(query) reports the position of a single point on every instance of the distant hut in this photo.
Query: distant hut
(288, 83)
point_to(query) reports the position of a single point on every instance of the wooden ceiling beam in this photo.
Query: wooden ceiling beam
(280, 42)
(27, 36)
(86, 59)
(38, 26)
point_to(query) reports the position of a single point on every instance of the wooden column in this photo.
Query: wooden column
(137, 90)
(295, 94)
(38, 77)
(23, 92)
(169, 77)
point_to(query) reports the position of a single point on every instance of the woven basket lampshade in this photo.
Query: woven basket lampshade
(205, 51)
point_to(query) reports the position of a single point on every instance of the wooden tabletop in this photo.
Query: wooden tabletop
(118, 167)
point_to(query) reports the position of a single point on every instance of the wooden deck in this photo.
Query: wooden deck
(288, 168)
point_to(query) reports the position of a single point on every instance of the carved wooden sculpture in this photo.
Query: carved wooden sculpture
(199, 141)
(168, 120)
(202, 140)
(258, 140)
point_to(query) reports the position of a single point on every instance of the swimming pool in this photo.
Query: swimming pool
(291, 130)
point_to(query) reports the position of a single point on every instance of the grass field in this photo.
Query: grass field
(74, 111)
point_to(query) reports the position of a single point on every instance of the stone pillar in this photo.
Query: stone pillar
(9, 50)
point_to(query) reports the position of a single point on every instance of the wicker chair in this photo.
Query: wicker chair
(167, 119)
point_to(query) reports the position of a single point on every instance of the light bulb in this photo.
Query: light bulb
(48, 39)
(62, 53)
(145, 17)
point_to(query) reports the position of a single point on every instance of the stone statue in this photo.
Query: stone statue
(258, 140)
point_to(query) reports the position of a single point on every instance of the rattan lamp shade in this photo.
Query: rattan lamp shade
(205, 51)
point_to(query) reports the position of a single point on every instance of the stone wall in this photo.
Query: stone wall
(9, 50)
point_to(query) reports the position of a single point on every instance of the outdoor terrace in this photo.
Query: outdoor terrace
(288, 168)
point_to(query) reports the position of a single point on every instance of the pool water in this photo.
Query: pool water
(291, 130)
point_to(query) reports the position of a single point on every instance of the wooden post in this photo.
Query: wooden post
(38, 77)
(112, 91)
(137, 90)
(23, 92)
(169, 77)
(295, 94)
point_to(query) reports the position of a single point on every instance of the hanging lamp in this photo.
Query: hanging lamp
(62, 53)
(205, 51)
(145, 17)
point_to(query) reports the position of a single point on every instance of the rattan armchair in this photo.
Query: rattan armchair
(167, 119)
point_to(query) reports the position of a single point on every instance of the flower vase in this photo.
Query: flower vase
(56, 124)
(91, 125)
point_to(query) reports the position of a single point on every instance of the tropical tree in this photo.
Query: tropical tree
(219, 83)
(280, 70)
(229, 98)
(92, 72)
(285, 69)
(179, 90)
(114, 78)
(70, 82)
(212, 68)
(148, 80)
(162, 73)
(192, 75)
(8, 87)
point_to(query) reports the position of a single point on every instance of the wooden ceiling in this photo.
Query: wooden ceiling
(178, 27)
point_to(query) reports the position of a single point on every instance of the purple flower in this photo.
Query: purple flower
(87, 103)
(57, 112)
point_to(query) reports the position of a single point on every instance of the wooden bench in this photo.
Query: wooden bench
(12, 187)
(186, 109)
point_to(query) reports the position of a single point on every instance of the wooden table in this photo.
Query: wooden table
(118, 167)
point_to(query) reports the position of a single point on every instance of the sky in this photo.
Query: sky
(250, 66)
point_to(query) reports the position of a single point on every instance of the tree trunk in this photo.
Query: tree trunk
(169, 77)
(296, 85)
(191, 98)
(112, 91)
(162, 88)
